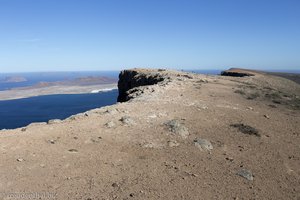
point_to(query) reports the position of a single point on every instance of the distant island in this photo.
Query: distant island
(81, 81)
(13, 79)
(89, 84)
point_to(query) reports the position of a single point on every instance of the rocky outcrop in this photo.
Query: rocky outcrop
(236, 73)
(129, 79)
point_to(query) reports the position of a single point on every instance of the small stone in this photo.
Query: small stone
(23, 129)
(203, 144)
(110, 124)
(176, 127)
(267, 116)
(245, 174)
(131, 195)
(115, 185)
(249, 108)
(148, 145)
(111, 111)
(152, 116)
(192, 174)
(229, 158)
(20, 160)
(126, 120)
(51, 141)
(42, 165)
(173, 143)
(54, 121)
(73, 150)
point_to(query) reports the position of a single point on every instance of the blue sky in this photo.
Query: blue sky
(72, 35)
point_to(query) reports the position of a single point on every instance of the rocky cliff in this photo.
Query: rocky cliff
(129, 79)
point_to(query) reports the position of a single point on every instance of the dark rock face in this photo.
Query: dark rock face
(129, 79)
(235, 74)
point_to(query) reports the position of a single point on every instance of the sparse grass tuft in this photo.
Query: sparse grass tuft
(242, 92)
(252, 96)
(246, 129)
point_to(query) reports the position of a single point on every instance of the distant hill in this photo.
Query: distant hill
(82, 81)
(13, 79)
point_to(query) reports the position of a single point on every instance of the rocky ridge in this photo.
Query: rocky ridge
(175, 135)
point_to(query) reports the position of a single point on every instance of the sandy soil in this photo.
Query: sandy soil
(131, 150)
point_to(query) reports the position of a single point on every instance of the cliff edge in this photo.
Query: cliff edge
(173, 135)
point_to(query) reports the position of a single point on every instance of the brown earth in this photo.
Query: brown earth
(187, 137)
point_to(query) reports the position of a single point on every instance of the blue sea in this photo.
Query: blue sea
(21, 112)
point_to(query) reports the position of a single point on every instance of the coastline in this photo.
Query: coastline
(20, 93)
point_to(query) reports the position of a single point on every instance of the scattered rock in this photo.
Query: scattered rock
(52, 141)
(267, 116)
(276, 101)
(272, 106)
(115, 185)
(191, 174)
(173, 143)
(203, 144)
(42, 165)
(111, 111)
(73, 150)
(73, 117)
(95, 140)
(176, 127)
(54, 121)
(23, 129)
(202, 81)
(249, 108)
(245, 174)
(246, 129)
(152, 116)
(229, 158)
(20, 160)
(131, 195)
(110, 124)
(148, 145)
(126, 120)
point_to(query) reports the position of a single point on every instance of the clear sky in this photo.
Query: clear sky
(72, 35)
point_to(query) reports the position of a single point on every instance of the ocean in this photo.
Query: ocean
(21, 112)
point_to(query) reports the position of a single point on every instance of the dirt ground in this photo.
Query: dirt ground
(188, 139)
